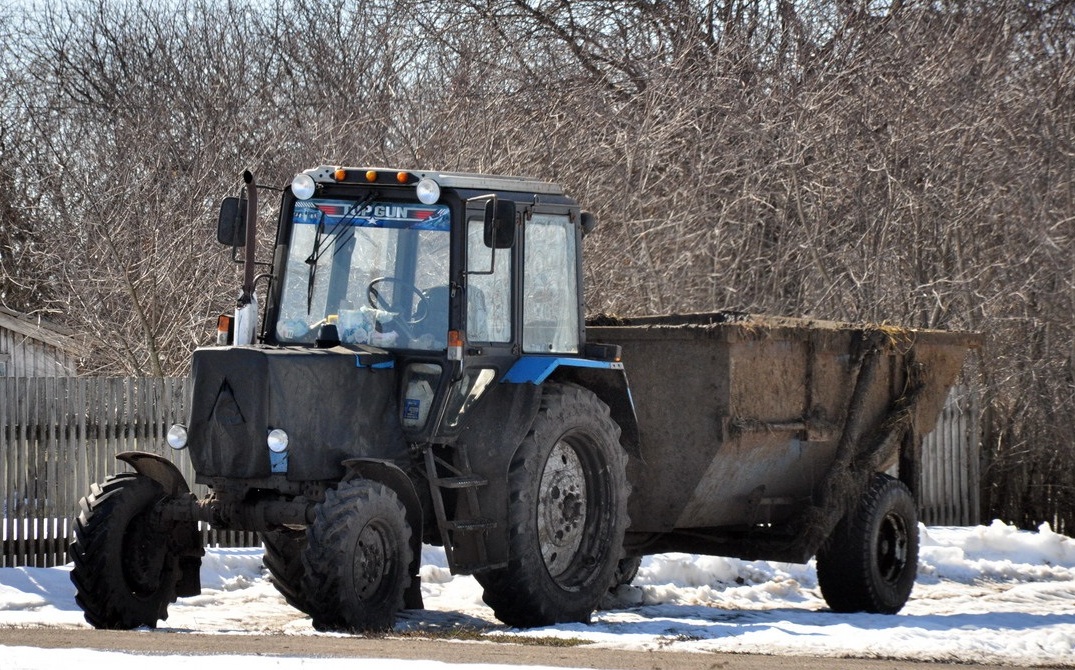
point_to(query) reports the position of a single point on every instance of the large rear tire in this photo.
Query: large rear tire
(870, 562)
(567, 514)
(126, 561)
(356, 563)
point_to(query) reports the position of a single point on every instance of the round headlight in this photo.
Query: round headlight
(428, 191)
(177, 436)
(277, 441)
(303, 186)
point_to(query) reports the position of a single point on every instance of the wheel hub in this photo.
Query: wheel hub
(143, 555)
(561, 508)
(371, 561)
(892, 540)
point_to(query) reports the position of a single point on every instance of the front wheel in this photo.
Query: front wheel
(283, 559)
(567, 514)
(356, 564)
(870, 562)
(127, 563)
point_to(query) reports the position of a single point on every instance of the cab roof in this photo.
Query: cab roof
(330, 174)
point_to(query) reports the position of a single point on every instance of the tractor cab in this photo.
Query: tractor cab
(425, 273)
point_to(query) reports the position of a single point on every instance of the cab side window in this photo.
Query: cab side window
(488, 294)
(550, 286)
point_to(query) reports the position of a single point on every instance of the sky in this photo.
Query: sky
(985, 594)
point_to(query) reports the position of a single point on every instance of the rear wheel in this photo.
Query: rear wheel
(567, 514)
(127, 563)
(870, 562)
(356, 563)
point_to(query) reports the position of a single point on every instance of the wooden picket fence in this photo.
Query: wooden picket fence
(60, 434)
(949, 487)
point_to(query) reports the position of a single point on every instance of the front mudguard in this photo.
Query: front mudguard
(157, 468)
(186, 538)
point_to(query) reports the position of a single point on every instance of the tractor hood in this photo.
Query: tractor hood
(331, 406)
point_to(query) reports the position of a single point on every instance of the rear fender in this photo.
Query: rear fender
(611, 387)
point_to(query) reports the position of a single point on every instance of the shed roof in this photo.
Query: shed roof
(41, 330)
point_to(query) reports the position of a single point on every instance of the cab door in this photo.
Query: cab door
(489, 319)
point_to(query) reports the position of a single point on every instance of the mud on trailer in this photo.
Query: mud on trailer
(423, 372)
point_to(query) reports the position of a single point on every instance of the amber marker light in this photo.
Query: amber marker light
(371, 175)
(455, 345)
(223, 325)
(341, 174)
(402, 177)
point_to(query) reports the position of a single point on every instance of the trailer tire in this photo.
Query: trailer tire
(357, 559)
(567, 514)
(126, 563)
(870, 562)
(626, 570)
(283, 560)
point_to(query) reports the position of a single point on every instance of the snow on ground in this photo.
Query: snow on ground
(986, 594)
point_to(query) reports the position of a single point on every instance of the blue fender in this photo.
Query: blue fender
(607, 380)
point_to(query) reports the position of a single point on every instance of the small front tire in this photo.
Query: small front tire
(356, 564)
(626, 571)
(283, 560)
(127, 563)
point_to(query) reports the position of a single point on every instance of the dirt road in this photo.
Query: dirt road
(174, 642)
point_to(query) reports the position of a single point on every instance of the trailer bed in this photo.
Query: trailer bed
(754, 428)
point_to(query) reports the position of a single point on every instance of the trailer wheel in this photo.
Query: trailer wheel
(870, 562)
(356, 562)
(283, 560)
(126, 563)
(626, 571)
(567, 514)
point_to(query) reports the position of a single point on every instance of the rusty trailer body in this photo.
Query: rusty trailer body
(757, 433)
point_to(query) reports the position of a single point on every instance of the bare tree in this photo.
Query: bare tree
(909, 162)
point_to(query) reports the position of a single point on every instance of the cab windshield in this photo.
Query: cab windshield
(377, 269)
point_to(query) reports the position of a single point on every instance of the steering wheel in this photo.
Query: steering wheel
(376, 300)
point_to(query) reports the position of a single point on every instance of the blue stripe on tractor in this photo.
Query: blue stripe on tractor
(536, 369)
(384, 365)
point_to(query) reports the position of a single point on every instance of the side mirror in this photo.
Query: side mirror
(231, 225)
(499, 223)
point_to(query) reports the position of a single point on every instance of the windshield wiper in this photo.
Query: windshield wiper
(311, 260)
(317, 252)
(352, 212)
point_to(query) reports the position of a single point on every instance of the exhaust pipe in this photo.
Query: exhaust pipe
(246, 310)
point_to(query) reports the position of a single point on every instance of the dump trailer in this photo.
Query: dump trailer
(773, 440)
(423, 372)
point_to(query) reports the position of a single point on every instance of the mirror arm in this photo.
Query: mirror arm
(236, 259)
